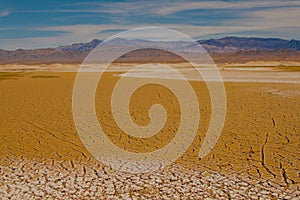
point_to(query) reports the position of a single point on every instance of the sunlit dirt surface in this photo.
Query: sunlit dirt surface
(257, 155)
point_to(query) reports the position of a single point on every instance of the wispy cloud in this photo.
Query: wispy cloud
(86, 33)
(84, 21)
(183, 6)
(269, 19)
(170, 7)
(4, 13)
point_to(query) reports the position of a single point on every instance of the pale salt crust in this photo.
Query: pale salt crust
(29, 179)
(228, 75)
(266, 74)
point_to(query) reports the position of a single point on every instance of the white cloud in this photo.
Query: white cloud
(168, 7)
(171, 7)
(4, 13)
(269, 19)
(183, 6)
(277, 19)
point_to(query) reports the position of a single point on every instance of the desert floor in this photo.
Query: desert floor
(257, 155)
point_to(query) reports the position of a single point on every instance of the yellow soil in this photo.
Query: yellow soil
(260, 136)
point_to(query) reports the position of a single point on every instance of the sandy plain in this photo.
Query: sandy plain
(257, 155)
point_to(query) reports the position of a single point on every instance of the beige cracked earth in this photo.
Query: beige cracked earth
(42, 156)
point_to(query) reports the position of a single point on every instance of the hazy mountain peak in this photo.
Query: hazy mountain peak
(241, 48)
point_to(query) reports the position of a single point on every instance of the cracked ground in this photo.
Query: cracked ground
(41, 154)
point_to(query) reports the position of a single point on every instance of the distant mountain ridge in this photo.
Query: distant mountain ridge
(226, 49)
(81, 46)
(231, 44)
(226, 44)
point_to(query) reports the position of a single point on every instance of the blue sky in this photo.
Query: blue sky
(49, 23)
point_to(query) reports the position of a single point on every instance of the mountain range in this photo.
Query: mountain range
(224, 50)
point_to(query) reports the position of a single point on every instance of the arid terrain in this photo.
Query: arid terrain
(256, 156)
(138, 100)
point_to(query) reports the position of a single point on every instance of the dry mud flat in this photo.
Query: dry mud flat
(24, 179)
(257, 154)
